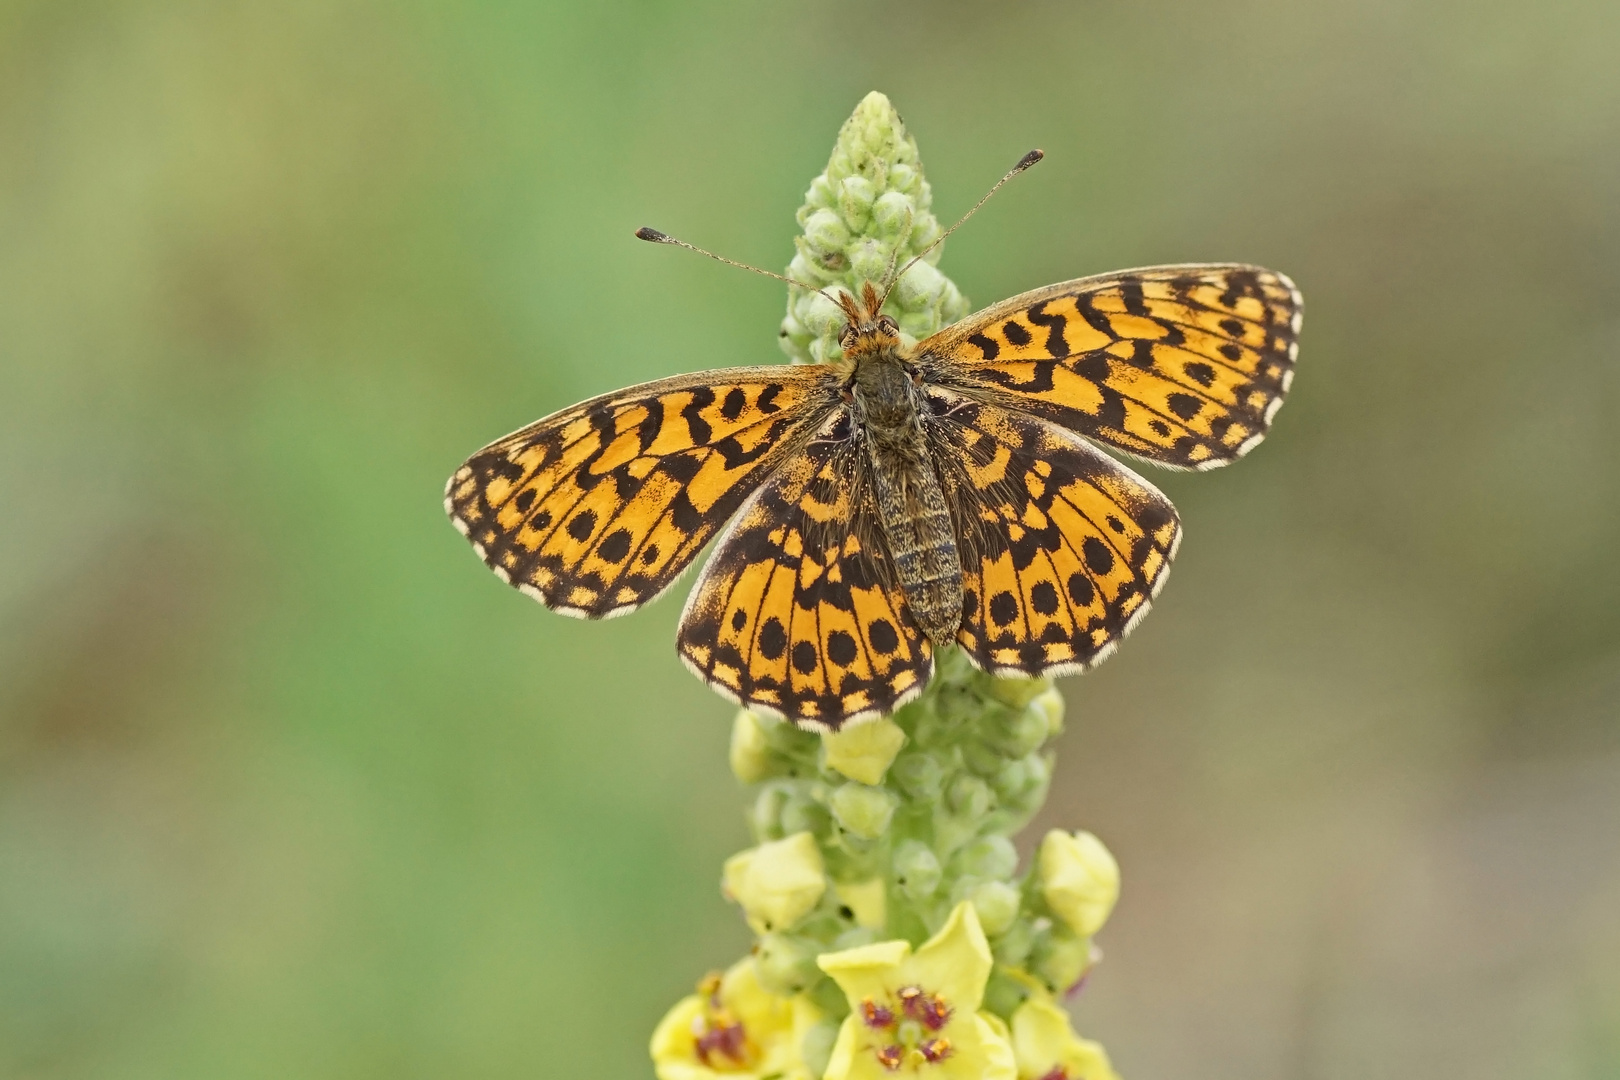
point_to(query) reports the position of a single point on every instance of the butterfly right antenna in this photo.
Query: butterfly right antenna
(1023, 163)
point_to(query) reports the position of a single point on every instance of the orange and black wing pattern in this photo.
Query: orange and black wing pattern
(597, 509)
(795, 613)
(1063, 549)
(1184, 366)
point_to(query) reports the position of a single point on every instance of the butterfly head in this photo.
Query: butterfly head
(867, 331)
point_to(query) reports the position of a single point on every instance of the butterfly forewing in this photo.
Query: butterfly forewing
(1063, 548)
(597, 509)
(795, 613)
(1182, 365)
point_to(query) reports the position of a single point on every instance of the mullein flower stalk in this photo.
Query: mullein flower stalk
(897, 933)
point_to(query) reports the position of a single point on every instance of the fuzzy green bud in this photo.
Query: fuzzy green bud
(1052, 705)
(916, 870)
(1022, 732)
(997, 905)
(802, 813)
(989, 857)
(920, 775)
(1018, 692)
(862, 809)
(869, 211)
(786, 964)
(1013, 947)
(970, 797)
(1060, 958)
(816, 1048)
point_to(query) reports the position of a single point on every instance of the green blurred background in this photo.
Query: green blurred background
(290, 786)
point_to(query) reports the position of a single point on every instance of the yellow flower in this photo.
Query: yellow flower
(864, 751)
(1048, 1049)
(778, 883)
(918, 1013)
(733, 1028)
(1079, 879)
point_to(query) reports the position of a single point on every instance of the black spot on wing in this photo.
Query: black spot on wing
(1056, 344)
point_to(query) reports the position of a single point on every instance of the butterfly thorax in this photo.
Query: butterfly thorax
(886, 402)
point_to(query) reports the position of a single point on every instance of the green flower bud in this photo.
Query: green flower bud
(989, 857)
(970, 797)
(863, 752)
(1051, 703)
(826, 233)
(997, 905)
(1019, 692)
(982, 759)
(786, 964)
(1013, 946)
(1060, 958)
(1079, 880)
(815, 1049)
(919, 775)
(1021, 732)
(855, 197)
(1021, 787)
(802, 813)
(863, 810)
(1005, 992)
(916, 870)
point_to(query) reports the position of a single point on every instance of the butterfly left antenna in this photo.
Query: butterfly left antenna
(653, 236)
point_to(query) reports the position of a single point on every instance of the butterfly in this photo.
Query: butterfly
(867, 513)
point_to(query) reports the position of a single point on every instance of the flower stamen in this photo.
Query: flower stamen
(875, 1015)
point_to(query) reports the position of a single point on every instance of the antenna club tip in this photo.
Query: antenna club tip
(1029, 159)
(652, 236)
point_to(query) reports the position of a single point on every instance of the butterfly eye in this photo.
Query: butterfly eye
(888, 325)
(846, 337)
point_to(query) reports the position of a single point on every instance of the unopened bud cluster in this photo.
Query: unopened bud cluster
(867, 213)
(909, 816)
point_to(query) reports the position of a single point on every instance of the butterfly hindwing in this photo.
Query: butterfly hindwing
(1063, 549)
(1184, 366)
(794, 613)
(597, 509)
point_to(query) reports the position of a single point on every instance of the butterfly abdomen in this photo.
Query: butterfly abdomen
(918, 527)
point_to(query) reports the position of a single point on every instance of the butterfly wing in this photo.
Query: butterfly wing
(795, 613)
(597, 509)
(1184, 366)
(1062, 547)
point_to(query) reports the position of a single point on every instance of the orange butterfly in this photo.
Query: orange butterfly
(903, 498)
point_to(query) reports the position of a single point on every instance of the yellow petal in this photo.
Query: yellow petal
(1043, 1040)
(866, 970)
(1079, 879)
(864, 752)
(778, 883)
(955, 962)
(671, 1046)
